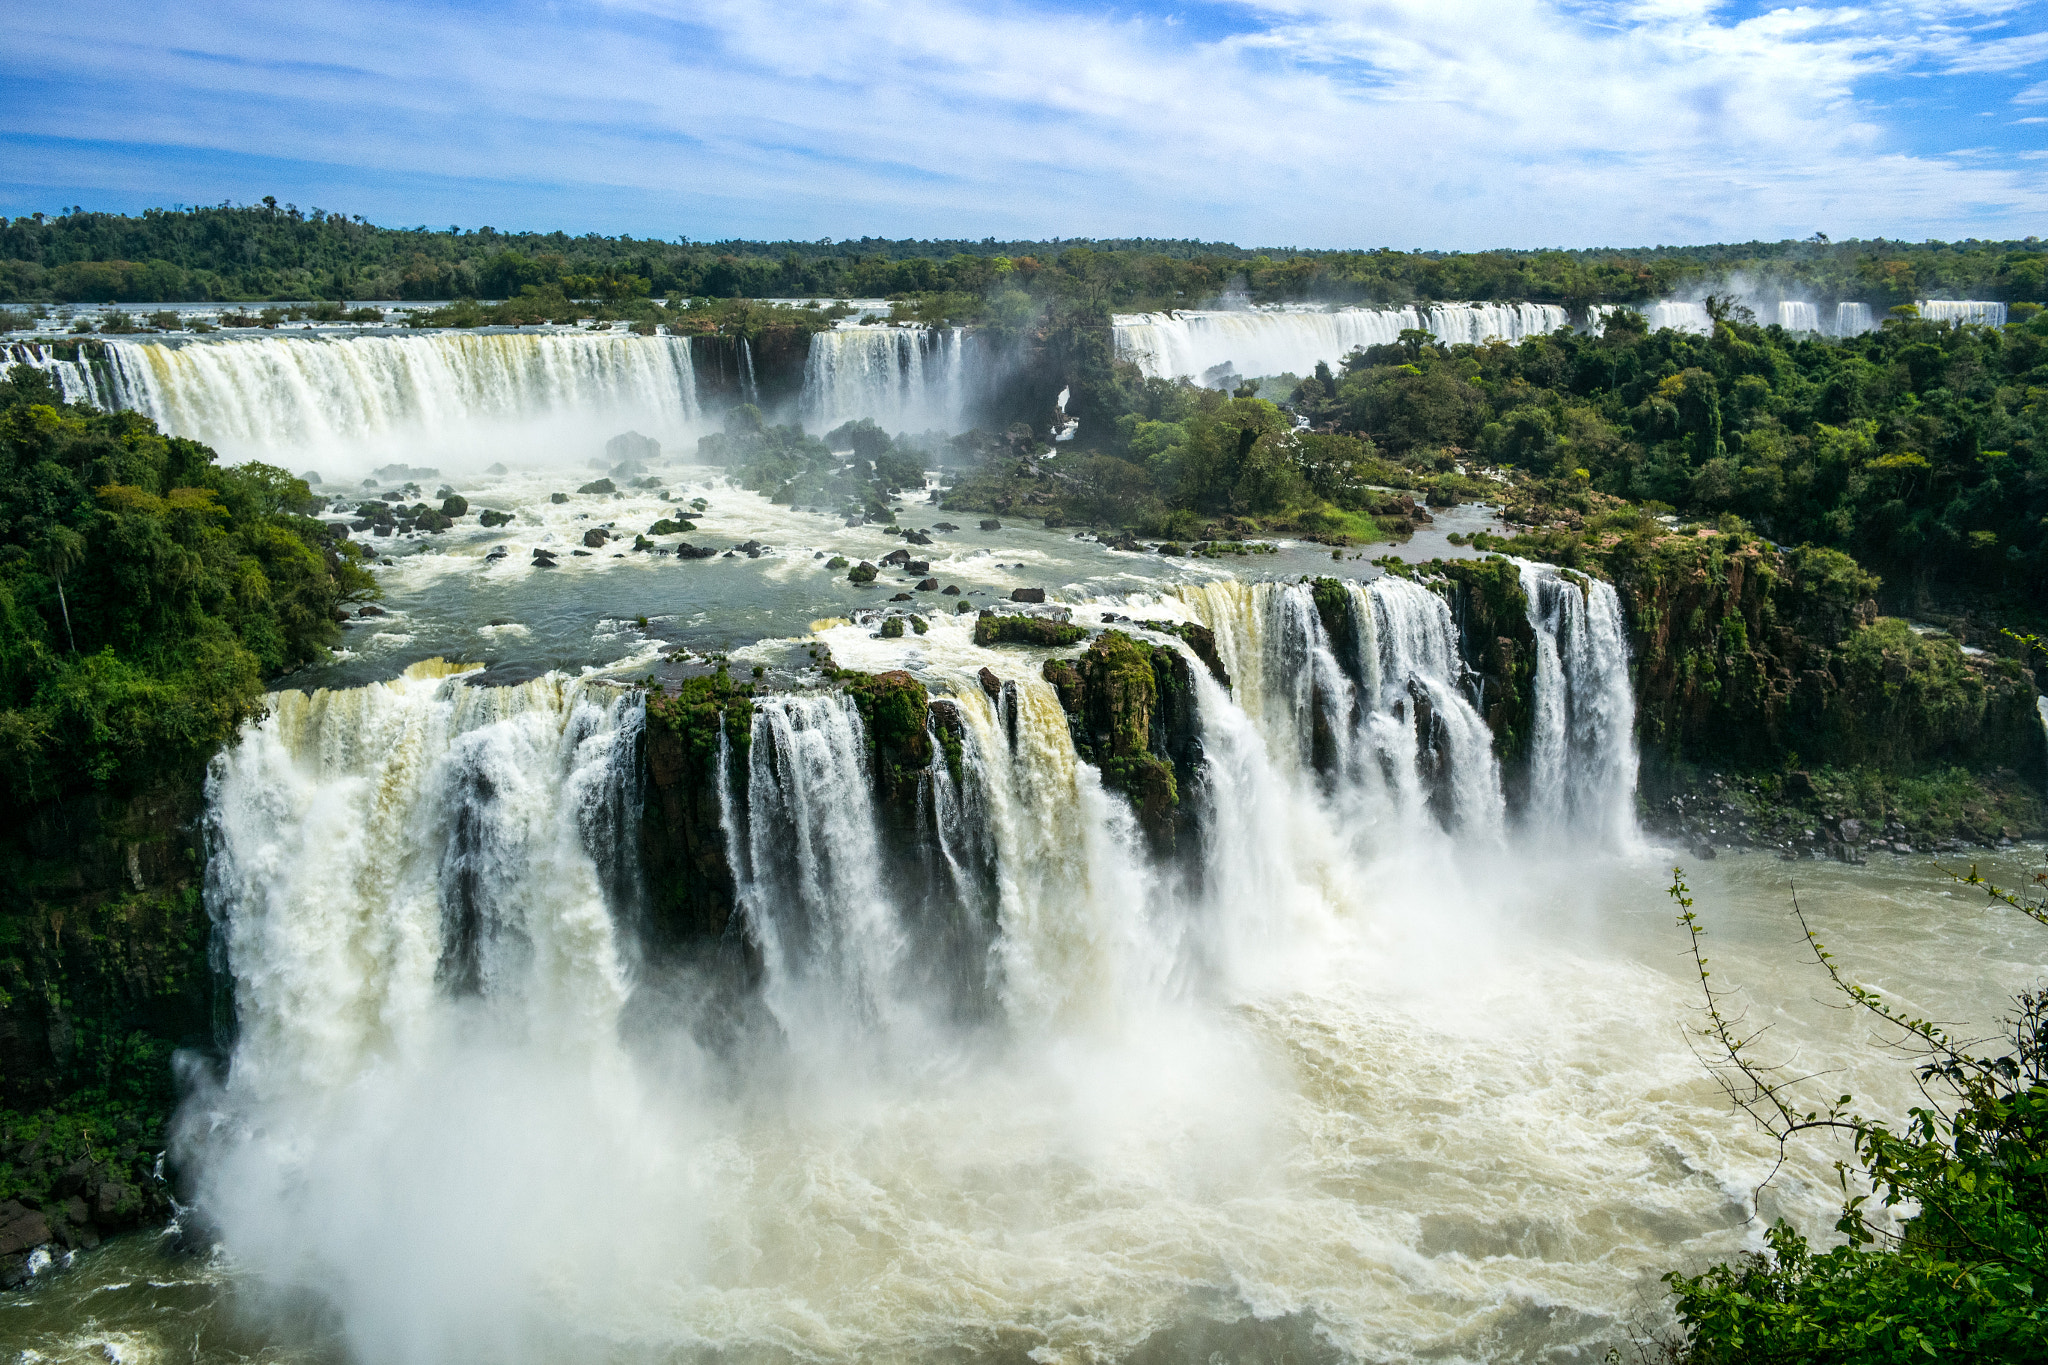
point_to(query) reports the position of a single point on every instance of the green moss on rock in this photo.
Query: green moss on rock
(993, 628)
(1131, 707)
(691, 886)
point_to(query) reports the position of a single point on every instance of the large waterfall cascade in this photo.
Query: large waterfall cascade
(466, 1109)
(395, 394)
(1291, 340)
(384, 846)
(903, 378)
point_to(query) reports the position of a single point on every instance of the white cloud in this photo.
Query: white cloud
(1318, 122)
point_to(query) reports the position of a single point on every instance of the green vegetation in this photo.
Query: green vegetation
(1130, 707)
(1964, 1276)
(272, 251)
(1920, 449)
(895, 712)
(1007, 628)
(699, 709)
(146, 593)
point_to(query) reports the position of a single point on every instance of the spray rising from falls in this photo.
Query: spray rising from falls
(378, 851)
(902, 378)
(962, 977)
(1291, 341)
(343, 397)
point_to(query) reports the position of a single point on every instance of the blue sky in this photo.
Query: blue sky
(1403, 123)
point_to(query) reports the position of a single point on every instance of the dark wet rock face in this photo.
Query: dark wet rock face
(1131, 707)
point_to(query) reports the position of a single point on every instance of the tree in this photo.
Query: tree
(1965, 1275)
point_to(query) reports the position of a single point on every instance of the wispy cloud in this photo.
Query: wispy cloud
(1323, 122)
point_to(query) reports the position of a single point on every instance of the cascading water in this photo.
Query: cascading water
(378, 849)
(811, 878)
(466, 1114)
(2041, 705)
(355, 399)
(1681, 315)
(1796, 316)
(1378, 707)
(1853, 319)
(77, 381)
(1582, 755)
(902, 378)
(1284, 341)
(1974, 311)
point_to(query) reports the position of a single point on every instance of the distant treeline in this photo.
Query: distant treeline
(277, 252)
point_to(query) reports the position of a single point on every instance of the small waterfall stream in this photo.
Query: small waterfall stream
(902, 378)
(1582, 764)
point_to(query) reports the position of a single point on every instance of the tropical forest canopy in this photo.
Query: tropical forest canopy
(277, 252)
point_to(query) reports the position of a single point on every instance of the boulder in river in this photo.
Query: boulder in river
(927, 584)
(631, 445)
(1028, 595)
(991, 524)
(595, 537)
(862, 572)
(489, 517)
(599, 486)
(21, 1228)
(895, 557)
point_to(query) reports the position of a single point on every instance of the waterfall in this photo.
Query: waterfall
(810, 883)
(356, 399)
(903, 378)
(1424, 721)
(750, 391)
(1582, 756)
(1679, 315)
(2041, 705)
(1973, 311)
(464, 1114)
(378, 851)
(1291, 340)
(77, 381)
(1795, 316)
(1853, 319)
(1380, 710)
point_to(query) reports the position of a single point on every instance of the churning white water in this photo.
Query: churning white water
(1291, 340)
(1355, 1070)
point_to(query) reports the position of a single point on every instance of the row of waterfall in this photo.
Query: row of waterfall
(1291, 341)
(1218, 347)
(455, 393)
(476, 1103)
(382, 851)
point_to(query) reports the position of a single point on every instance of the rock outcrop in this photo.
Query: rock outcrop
(1131, 707)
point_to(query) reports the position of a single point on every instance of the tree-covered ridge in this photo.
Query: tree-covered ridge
(146, 593)
(1921, 449)
(265, 251)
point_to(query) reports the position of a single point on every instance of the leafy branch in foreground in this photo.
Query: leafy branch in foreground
(1965, 1177)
